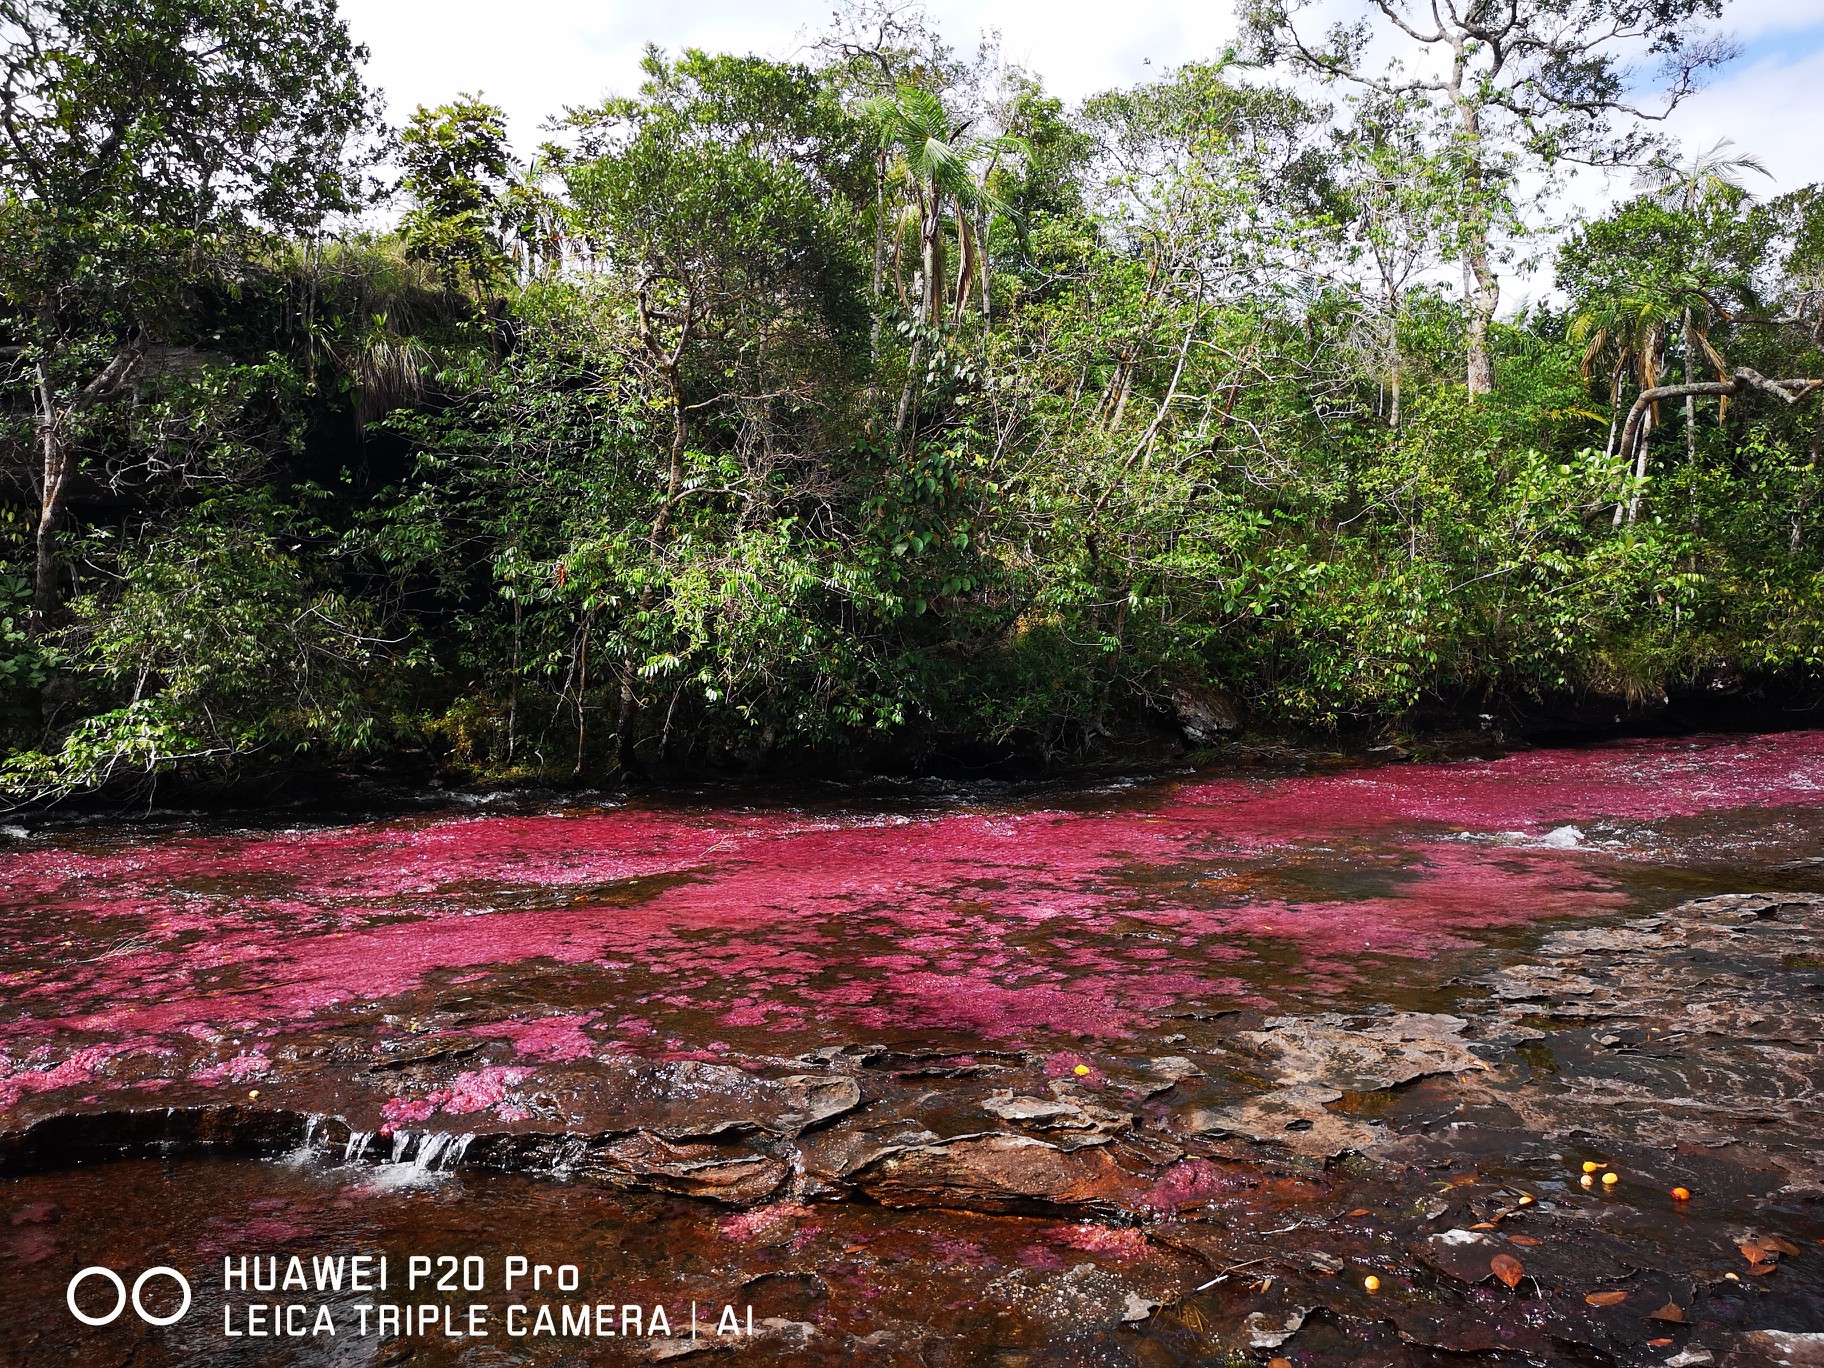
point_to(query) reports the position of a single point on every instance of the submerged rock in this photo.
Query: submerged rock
(1001, 1173)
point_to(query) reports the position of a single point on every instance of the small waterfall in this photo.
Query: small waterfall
(303, 1154)
(417, 1158)
(358, 1141)
(431, 1150)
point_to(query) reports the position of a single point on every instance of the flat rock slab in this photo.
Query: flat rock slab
(1362, 1055)
(1004, 1173)
(1297, 1119)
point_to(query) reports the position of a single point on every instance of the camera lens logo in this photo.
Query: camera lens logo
(121, 1296)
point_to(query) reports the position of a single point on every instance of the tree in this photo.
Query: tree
(1527, 84)
(721, 200)
(1670, 265)
(458, 175)
(1394, 196)
(146, 145)
(1688, 187)
(941, 173)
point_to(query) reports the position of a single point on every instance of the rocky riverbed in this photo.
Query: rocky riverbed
(1395, 1065)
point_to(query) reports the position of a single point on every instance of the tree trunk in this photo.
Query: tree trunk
(668, 361)
(1481, 291)
(1633, 449)
(1480, 296)
(1608, 447)
(1393, 359)
(1690, 399)
(1642, 444)
(880, 255)
(58, 464)
(933, 245)
(904, 424)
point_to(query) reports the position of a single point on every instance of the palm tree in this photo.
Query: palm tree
(934, 162)
(1631, 330)
(1687, 187)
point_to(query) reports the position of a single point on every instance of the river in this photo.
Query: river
(1295, 1063)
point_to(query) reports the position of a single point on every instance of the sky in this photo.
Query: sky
(532, 57)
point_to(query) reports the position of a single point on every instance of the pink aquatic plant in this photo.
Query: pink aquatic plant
(763, 1221)
(474, 1091)
(236, 1070)
(1030, 925)
(557, 1039)
(1118, 1242)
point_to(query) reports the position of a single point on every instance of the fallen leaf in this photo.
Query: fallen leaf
(1759, 1251)
(1462, 1179)
(1605, 1298)
(1659, 1343)
(1279, 1363)
(1507, 1268)
(1359, 1211)
(1671, 1312)
(1483, 1225)
(1526, 1240)
(1784, 1246)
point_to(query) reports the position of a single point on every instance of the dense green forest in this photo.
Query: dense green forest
(877, 401)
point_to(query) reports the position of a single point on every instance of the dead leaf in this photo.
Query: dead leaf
(1784, 1246)
(1359, 1211)
(1758, 1250)
(1279, 1363)
(1526, 1240)
(1462, 1179)
(1659, 1343)
(1507, 1268)
(1671, 1312)
(1605, 1298)
(1483, 1225)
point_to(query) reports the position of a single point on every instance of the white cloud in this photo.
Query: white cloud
(532, 57)
(1771, 108)
(535, 56)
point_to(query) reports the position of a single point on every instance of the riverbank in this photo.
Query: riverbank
(422, 779)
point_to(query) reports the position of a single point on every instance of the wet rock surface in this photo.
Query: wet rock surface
(1235, 1197)
(1403, 1164)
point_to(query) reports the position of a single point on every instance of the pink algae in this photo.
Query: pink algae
(475, 1091)
(18, 1079)
(1122, 1242)
(1187, 1183)
(236, 1070)
(1025, 923)
(555, 1039)
(768, 1221)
